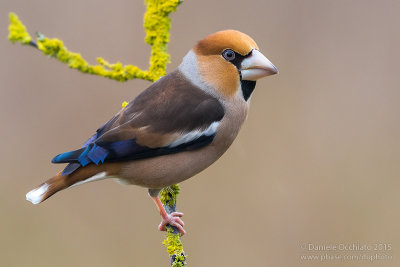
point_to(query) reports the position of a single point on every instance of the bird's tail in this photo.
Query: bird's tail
(60, 182)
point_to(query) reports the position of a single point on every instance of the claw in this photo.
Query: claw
(173, 219)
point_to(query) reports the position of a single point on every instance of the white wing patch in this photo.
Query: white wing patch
(193, 135)
(99, 176)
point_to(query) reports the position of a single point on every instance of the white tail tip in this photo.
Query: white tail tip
(36, 195)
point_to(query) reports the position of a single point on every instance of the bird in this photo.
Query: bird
(174, 129)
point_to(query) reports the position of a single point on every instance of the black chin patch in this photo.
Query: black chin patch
(247, 88)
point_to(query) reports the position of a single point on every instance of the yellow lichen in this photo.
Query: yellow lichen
(173, 244)
(124, 104)
(175, 248)
(17, 30)
(168, 195)
(156, 23)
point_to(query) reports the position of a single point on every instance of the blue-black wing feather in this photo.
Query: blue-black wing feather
(121, 151)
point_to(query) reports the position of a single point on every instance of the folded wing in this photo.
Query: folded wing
(171, 116)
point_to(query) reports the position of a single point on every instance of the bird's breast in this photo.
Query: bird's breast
(162, 171)
(235, 114)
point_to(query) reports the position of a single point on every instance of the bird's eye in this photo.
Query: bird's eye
(228, 54)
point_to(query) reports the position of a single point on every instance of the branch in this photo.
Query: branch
(173, 243)
(156, 23)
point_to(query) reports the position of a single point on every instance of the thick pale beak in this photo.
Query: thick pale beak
(257, 66)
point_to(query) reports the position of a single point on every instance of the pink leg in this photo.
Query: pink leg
(172, 219)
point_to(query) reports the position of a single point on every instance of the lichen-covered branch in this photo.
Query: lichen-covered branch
(173, 242)
(156, 23)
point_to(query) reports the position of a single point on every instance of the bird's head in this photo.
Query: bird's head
(228, 61)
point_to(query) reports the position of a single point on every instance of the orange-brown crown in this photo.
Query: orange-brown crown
(216, 43)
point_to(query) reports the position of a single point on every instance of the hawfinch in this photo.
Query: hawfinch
(175, 128)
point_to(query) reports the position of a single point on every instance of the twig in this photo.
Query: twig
(156, 23)
(173, 243)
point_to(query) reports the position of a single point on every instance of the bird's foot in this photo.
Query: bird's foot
(172, 219)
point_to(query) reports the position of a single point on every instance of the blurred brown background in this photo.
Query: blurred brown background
(317, 161)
